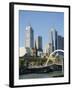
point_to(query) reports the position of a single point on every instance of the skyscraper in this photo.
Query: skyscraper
(60, 42)
(48, 48)
(53, 38)
(29, 37)
(39, 43)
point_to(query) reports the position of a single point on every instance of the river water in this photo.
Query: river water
(28, 76)
(43, 75)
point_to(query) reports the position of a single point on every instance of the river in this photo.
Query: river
(42, 75)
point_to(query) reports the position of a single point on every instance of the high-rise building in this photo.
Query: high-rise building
(53, 38)
(60, 42)
(29, 37)
(48, 48)
(38, 43)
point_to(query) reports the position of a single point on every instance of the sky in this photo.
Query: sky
(41, 22)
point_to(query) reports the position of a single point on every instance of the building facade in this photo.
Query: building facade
(29, 37)
(38, 43)
(60, 42)
(49, 48)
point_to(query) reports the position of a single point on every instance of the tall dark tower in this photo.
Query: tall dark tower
(39, 43)
(36, 48)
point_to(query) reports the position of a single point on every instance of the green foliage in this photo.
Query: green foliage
(31, 61)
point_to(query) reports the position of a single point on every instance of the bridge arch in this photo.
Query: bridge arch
(58, 50)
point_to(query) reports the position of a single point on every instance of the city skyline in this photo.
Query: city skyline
(40, 28)
(55, 42)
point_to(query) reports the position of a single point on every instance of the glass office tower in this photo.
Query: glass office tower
(29, 37)
(52, 38)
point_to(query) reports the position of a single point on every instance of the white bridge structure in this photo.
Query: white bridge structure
(61, 62)
(53, 59)
(58, 50)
